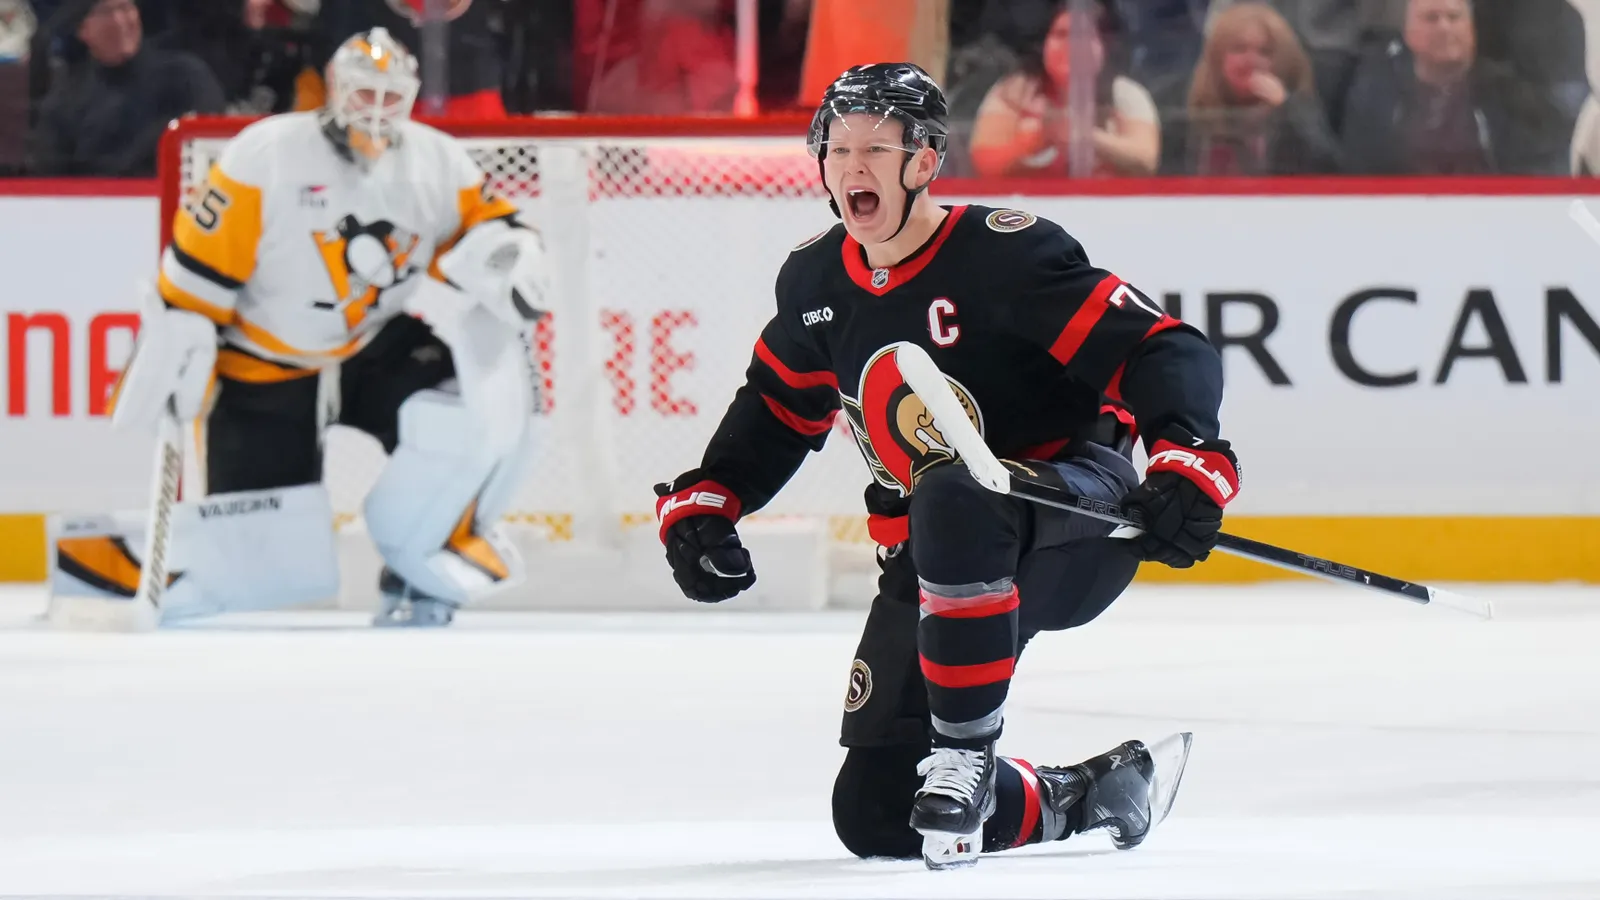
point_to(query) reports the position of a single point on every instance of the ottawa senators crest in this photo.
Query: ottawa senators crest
(894, 429)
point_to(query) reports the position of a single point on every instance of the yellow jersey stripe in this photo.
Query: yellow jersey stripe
(182, 299)
(271, 343)
(236, 365)
(220, 226)
(196, 284)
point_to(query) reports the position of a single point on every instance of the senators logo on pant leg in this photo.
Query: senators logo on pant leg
(860, 689)
(894, 429)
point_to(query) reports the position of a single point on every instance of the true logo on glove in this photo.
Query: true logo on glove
(694, 498)
(1188, 460)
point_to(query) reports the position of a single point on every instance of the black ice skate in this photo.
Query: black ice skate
(1128, 790)
(956, 798)
(406, 607)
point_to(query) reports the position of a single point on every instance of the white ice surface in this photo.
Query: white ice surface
(1346, 745)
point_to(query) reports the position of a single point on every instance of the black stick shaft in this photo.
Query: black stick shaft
(1049, 495)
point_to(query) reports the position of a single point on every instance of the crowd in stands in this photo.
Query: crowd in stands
(1038, 88)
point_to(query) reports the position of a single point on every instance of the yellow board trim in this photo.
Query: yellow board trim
(23, 548)
(1422, 548)
(1418, 548)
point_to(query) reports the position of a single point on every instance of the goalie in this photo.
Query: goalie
(342, 266)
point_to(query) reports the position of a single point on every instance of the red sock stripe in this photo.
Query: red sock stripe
(1030, 799)
(969, 607)
(968, 676)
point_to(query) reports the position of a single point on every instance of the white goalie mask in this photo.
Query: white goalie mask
(372, 85)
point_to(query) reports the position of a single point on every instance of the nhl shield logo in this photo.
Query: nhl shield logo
(880, 277)
(860, 687)
(1006, 221)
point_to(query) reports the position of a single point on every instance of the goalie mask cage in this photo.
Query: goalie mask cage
(664, 238)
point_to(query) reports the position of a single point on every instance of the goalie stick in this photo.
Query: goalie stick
(922, 375)
(153, 577)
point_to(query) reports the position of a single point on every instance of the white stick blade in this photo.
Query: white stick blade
(1579, 211)
(1472, 606)
(922, 375)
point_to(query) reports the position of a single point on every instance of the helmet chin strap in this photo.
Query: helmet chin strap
(911, 196)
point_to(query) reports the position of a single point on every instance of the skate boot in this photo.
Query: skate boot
(1128, 790)
(406, 607)
(956, 798)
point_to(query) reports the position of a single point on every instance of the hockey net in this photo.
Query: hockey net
(664, 239)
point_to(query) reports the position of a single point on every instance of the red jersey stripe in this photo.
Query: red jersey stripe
(796, 380)
(1083, 321)
(802, 425)
(968, 676)
(1160, 326)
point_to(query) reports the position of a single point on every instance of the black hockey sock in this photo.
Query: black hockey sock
(1021, 816)
(967, 640)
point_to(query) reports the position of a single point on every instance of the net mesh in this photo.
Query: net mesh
(663, 255)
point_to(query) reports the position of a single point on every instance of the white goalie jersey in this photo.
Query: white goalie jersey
(300, 257)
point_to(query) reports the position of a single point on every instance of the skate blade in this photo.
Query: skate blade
(942, 851)
(1170, 756)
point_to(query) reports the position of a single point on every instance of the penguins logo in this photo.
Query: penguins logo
(363, 261)
(894, 429)
(860, 689)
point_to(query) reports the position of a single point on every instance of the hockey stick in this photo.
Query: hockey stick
(922, 375)
(158, 526)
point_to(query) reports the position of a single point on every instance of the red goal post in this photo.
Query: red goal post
(664, 237)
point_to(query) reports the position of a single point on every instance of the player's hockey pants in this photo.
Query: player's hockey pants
(1065, 570)
(264, 434)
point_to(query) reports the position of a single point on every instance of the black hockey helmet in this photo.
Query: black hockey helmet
(901, 91)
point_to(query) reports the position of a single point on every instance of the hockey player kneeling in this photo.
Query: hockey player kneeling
(1061, 366)
(345, 266)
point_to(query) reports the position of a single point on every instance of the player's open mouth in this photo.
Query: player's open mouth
(863, 203)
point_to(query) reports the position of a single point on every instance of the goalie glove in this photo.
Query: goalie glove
(173, 359)
(501, 267)
(1186, 486)
(708, 562)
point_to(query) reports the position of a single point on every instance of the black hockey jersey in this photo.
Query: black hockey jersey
(1040, 345)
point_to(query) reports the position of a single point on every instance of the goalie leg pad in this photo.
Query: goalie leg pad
(248, 550)
(432, 513)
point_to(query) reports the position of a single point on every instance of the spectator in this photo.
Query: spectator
(16, 29)
(476, 72)
(1253, 108)
(1430, 106)
(1331, 31)
(16, 33)
(1024, 126)
(107, 119)
(686, 66)
(256, 66)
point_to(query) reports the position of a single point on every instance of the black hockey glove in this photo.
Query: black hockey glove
(707, 560)
(1187, 484)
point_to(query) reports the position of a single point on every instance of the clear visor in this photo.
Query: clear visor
(848, 122)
